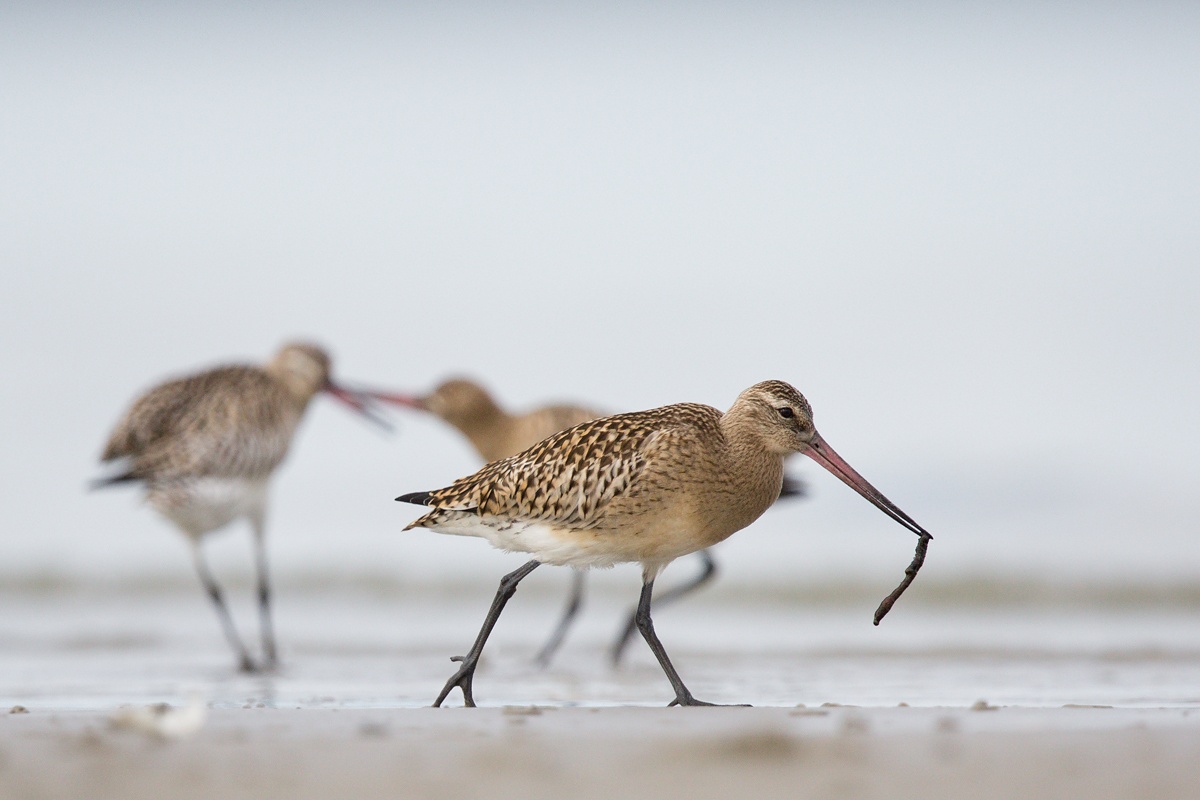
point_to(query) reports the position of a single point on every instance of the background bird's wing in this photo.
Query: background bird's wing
(549, 420)
(222, 422)
(153, 416)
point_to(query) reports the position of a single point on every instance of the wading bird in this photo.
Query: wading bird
(204, 448)
(496, 433)
(644, 487)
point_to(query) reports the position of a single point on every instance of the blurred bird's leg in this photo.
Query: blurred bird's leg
(266, 628)
(245, 664)
(574, 603)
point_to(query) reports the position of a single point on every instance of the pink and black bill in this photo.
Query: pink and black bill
(820, 451)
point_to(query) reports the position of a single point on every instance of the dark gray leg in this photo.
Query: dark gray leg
(266, 629)
(574, 602)
(466, 673)
(214, 594)
(706, 574)
(682, 696)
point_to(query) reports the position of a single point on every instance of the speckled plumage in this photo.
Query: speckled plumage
(646, 486)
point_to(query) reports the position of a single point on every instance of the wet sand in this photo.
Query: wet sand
(959, 699)
(535, 752)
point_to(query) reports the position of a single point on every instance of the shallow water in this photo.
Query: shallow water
(93, 648)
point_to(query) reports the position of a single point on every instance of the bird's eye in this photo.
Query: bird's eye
(786, 412)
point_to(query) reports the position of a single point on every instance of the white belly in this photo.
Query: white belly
(540, 540)
(202, 505)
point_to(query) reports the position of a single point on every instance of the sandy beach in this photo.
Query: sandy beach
(965, 699)
(536, 752)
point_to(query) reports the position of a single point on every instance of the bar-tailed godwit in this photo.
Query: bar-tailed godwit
(644, 487)
(496, 433)
(204, 448)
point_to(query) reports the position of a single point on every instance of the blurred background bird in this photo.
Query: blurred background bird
(204, 448)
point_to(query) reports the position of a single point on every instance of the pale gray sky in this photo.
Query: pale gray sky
(968, 233)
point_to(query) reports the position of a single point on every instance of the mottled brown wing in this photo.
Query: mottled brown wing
(572, 476)
(230, 421)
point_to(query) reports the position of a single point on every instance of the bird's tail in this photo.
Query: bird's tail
(793, 487)
(112, 480)
(416, 498)
(420, 499)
